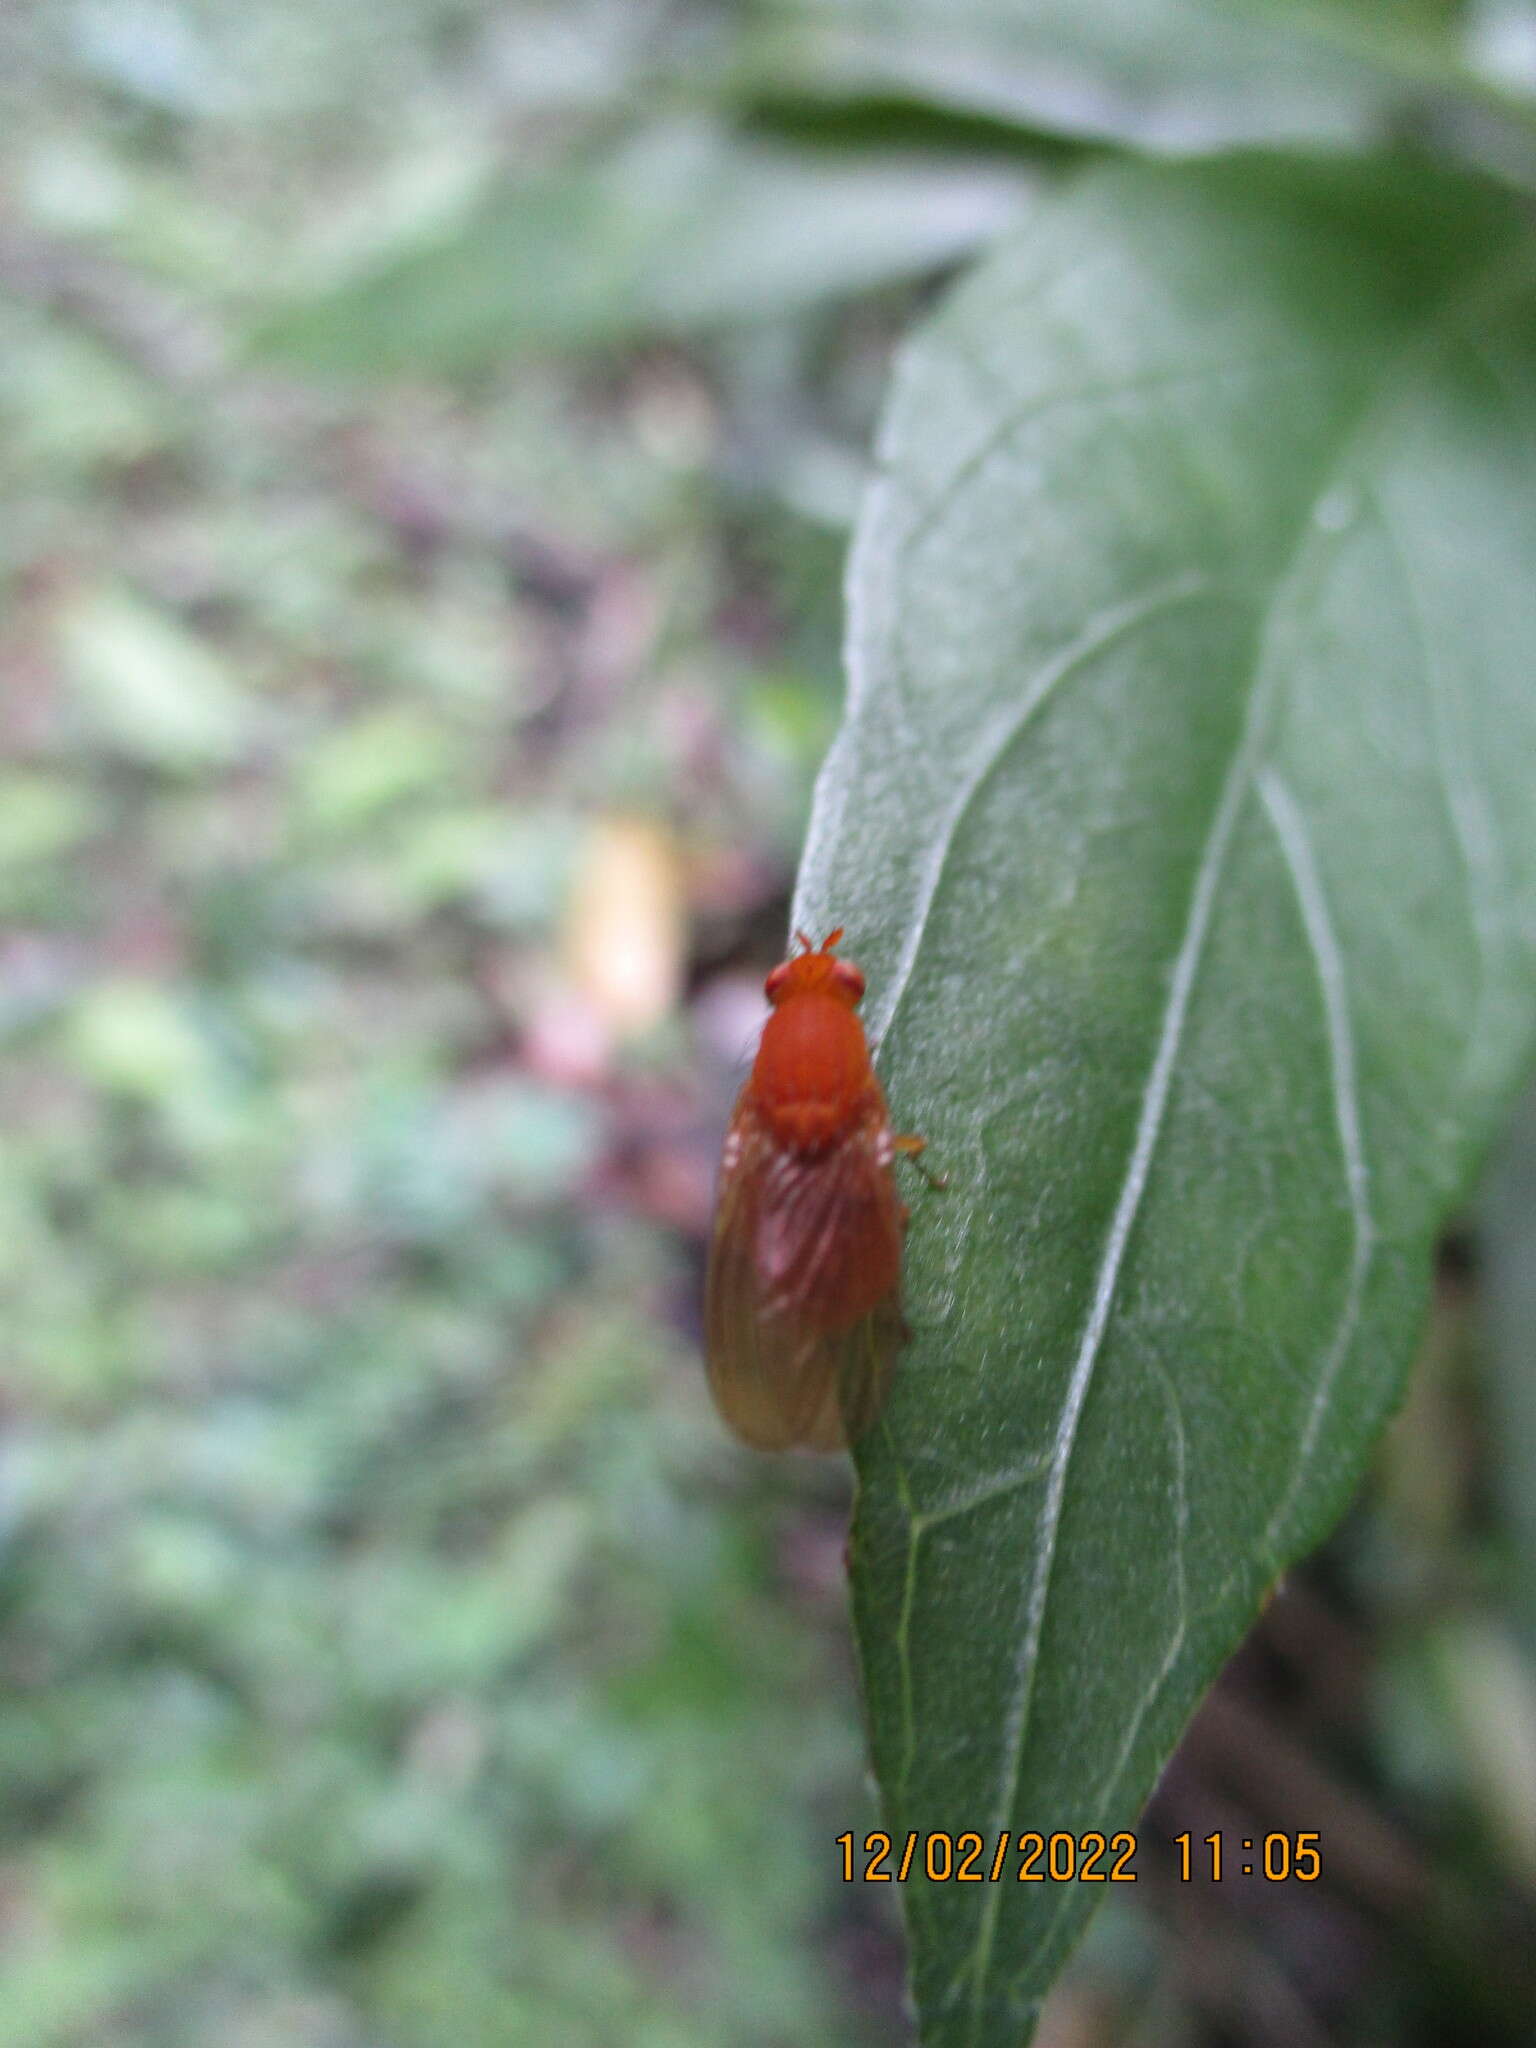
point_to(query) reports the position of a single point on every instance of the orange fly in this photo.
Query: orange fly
(802, 1305)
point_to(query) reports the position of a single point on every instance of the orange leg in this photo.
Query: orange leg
(911, 1145)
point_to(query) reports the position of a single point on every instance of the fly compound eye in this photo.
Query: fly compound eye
(773, 987)
(849, 979)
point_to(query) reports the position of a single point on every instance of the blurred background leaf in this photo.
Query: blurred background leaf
(1174, 75)
(678, 228)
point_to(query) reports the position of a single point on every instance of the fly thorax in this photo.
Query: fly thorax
(812, 1075)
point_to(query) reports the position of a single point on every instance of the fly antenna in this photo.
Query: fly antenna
(831, 939)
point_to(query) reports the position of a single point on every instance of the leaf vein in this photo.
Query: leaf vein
(1038, 404)
(1095, 639)
(1290, 829)
(1149, 1124)
(1179, 1438)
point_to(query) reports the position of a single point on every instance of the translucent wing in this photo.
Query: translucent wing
(802, 1311)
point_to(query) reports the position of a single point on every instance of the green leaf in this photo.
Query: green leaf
(68, 403)
(1181, 821)
(357, 771)
(41, 816)
(148, 687)
(136, 1038)
(681, 228)
(1178, 75)
(1173, 74)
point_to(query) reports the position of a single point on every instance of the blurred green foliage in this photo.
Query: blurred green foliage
(387, 1653)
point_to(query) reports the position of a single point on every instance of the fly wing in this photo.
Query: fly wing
(853, 1370)
(802, 1302)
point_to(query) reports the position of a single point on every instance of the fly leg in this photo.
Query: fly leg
(911, 1145)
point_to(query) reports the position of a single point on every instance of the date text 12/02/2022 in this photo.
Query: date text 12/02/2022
(1061, 1858)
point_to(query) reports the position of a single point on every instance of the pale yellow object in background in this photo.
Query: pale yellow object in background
(623, 939)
